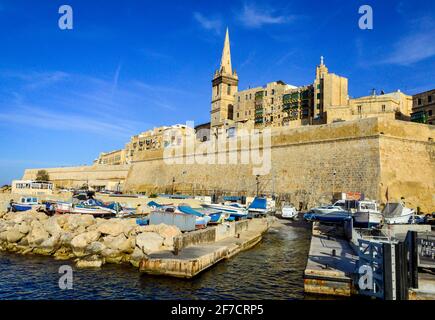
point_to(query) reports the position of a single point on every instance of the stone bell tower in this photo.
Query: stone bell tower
(225, 85)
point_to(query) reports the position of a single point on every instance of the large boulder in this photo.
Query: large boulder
(21, 217)
(149, 242)
(112, 228)
(120, 243)
(37, 235)
(83, 239)
(95, 247)
(52, 226)
(24, 228)
(90, 262)
(136, 257)
(76, 221)
(13, 236)
(66, 238)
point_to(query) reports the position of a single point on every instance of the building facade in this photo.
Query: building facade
(278, 104)
(423, 107)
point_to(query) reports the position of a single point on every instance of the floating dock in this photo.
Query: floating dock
(200, 250)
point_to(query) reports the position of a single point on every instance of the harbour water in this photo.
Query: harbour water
(271, 270)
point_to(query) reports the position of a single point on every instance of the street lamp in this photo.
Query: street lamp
(334, 173)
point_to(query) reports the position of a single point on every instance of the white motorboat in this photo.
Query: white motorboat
(367, 214)
(233, 208)
(327, 209)
(397, 213)
(288, 212)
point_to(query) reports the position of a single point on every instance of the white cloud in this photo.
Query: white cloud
(419, 45)
(213, 24)
(254, 17)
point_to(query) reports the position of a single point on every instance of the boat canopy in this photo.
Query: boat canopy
(189, 210)
(258, 203)
(392, 210)
(154, 204)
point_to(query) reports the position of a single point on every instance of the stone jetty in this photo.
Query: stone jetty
(90, 241)
(155, 249)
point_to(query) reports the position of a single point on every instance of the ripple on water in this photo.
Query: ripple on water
(271, 270)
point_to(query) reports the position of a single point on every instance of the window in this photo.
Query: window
(217, 90)
(250, 96)
(429, 99)
(359, 109)
(238, 98)
(430, 112)
(230, 114)
(265, 93)
(271, 118)
(238, 115)
(383, 108)
(246, 97)
(419, 101)
(273, 92)
(271, 100)
(229, 89)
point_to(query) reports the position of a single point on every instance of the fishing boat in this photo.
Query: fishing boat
(288, 211)
(367, 214)
(25, 204)
(397, 213)
(96, 211)
(63, 207)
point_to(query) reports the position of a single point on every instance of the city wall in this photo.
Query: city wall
(95, 175)
(308, 164)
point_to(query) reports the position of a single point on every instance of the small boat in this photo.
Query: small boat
(288, 211)
(367, 215)
(25, 204)
(258, 207)
(235, 210)
(63, 207)
(96, 211)
(397, 213)
(329, 217)
(326, 209)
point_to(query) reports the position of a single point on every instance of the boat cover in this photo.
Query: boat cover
(258, 203)
(154, 204)
(392, 210)
(189, 210)
(333, 217)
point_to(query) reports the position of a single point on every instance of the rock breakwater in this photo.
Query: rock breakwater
(89, 241)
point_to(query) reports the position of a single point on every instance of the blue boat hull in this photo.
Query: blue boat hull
(21, 207)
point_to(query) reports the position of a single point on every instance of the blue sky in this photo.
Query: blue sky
(130, 65)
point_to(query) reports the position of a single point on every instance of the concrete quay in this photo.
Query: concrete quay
(331, 263)
(206, 250)
(333, 259)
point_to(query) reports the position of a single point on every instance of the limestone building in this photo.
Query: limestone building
(278, 104)
(423, 107)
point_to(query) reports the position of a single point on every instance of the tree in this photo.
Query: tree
(42, 175)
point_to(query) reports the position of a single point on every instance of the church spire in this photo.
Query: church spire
(226, 56)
